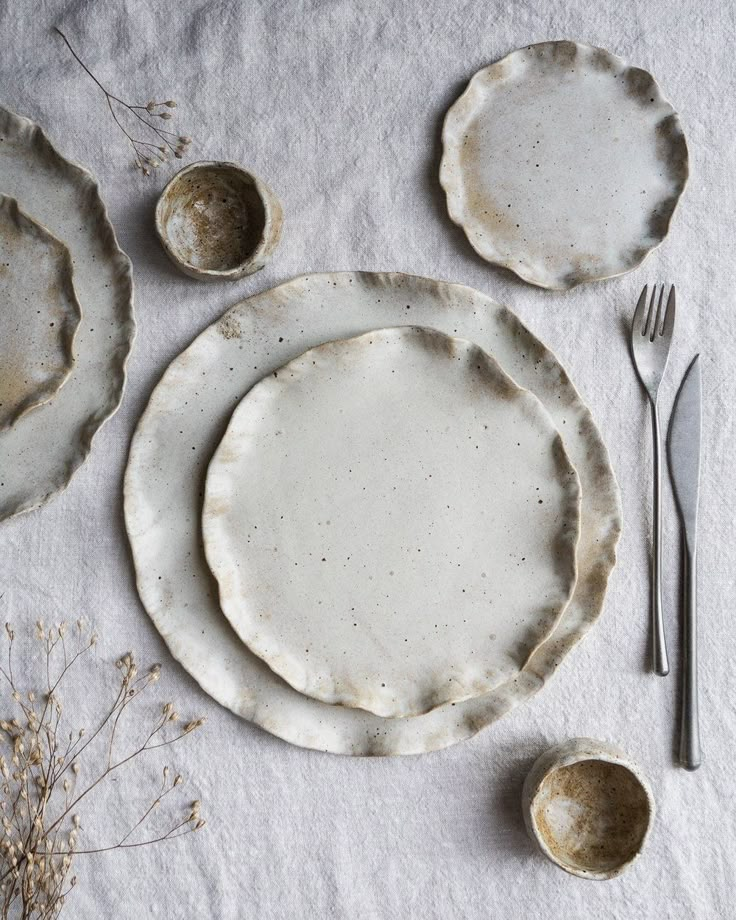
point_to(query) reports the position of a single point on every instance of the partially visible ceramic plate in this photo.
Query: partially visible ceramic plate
(39, 313)
(392, 522)
(44, 448)
(184, 421)
(563, 163)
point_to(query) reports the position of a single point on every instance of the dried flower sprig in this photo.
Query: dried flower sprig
(47, 771)
(149, 154)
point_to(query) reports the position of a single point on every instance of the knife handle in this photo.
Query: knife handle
(690, 756)
(660, 663)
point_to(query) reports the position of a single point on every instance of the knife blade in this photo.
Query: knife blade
(684, 456)
(684, 448)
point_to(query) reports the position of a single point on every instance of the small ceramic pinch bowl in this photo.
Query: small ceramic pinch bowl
(217, 221)
(588, 807)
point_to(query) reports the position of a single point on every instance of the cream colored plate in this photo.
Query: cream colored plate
(39, 313)
(563, 164)
(43, 449)
(392, 522)
(186, 418)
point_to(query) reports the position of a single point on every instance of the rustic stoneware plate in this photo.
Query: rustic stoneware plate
(39, 313)
(392, 522)
(187, 416)
(43, 449)
(588, 807)
(563, 164)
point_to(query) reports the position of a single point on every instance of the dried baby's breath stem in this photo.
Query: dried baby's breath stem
(41, 769)
(149, 154)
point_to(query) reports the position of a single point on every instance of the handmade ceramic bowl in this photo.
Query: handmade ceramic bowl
(217, 221)
(588, 807)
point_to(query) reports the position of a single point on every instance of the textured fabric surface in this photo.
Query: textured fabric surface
(338, 105)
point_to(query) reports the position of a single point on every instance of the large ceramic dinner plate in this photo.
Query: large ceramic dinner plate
(186, 418)
(563, 164)
(392, 522)
(39, 313)
(41, 451)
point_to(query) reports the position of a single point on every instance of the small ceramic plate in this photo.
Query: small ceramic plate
(186, 418)
(39, 313)
(563, 164)
(43, 449)
(392, 522)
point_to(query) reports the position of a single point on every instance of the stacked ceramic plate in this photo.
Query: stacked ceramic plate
(370, 513)
(66, 317)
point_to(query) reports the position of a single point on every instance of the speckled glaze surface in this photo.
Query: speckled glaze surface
(217, 221)
(588, 807)
(39, 313)
(351, 556)
(44, 448)
(184, 421)
(563, 164)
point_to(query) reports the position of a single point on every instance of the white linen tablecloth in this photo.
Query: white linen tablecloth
(338, 105)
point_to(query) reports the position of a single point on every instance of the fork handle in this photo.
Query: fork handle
(660, 661)
(690, 756)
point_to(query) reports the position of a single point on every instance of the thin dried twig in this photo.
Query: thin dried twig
(40, 770)
(149, 154)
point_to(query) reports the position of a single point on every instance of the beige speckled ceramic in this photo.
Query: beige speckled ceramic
(43, 449)
(392, 522)
(588, 807)
(39, 313)
(185, 419)
(217, 221)
(563, 164)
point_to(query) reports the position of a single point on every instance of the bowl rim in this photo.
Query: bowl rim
(265, 196)
(567, 754)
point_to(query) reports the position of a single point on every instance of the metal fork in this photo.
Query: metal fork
(651, 334)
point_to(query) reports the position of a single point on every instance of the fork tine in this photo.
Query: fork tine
(669, 317)
(658, 315)
(647, 330)
(638, 324)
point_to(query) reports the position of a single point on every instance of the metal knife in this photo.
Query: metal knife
(684, 457)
